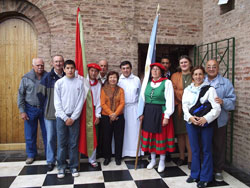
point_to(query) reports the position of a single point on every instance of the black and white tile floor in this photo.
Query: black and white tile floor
(18, 174)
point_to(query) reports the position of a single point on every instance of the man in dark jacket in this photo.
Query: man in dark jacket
(30, 109)
(46, 98)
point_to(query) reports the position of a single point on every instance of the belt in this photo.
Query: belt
(35, 106)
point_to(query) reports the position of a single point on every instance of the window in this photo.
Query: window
(226, 6)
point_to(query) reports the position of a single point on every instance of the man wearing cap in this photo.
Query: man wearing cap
(30, 109)
(95, 85)
(131, 85)
(46, 97)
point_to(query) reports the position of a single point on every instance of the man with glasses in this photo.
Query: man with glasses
(30, 109)
(46, 98)
(226, 98)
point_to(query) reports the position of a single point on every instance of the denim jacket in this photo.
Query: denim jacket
(225, 91)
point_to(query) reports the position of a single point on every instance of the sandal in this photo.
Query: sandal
(94, 164)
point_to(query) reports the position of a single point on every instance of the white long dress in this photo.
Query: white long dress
(131, 86)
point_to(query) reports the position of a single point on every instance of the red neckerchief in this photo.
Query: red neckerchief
(159, 80)
(95, 82)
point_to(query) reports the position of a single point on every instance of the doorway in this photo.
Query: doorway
(172, 51)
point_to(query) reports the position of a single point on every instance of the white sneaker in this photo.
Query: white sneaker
(74, 172)
(161, 166)
(218, 177)
(61, 173)
(151, 165)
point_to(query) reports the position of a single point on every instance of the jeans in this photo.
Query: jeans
(51, 140)
(30, 129)
(203, 135)
(67, 140)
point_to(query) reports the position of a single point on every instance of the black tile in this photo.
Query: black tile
(217, 184)
(5, 182)
(117, 175)
(159, 183)
(93, 185)
(86, 167)
(51, 179)
(34, 169)
(172, 171)
(140, 164)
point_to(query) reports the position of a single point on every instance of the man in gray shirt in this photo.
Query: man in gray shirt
(29, 108)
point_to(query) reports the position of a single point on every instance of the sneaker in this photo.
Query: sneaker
(218, 177)
(161, 167)
(29, 160)
(94, 164)
(74, 172)
(191, 180)
(61, 173)
(202, 184)
(51, 167)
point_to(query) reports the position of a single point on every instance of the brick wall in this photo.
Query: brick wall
(235, 23)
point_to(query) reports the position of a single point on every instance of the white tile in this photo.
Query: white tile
(89, 177)
(142, 174)
(179, 182)
(170, 164)
(38, 163)
(11, 168)
(185, 169)
(29, 181)
(113, 166)
(123, 184)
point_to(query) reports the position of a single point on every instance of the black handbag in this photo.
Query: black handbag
(199, 109)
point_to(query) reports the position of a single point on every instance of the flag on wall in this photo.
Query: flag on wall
(87, 138)
(151, 54)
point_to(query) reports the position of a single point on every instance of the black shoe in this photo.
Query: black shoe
(189, 165)
(202, 184)
(118, 162)
(50, 167)
(191, 180)
(106, 162)
(180, 162)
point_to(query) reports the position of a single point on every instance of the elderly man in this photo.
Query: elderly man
(131, 85)
(46, 98)
(104, 70)
(167, 64)
(30, 109)
(226, 98)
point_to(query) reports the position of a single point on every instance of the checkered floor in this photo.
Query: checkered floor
(18, 174)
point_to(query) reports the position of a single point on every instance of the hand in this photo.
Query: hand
(97, 121)
(164, 122)
(202, 121)
(69, 122)
(218, 100)
(24, 116)
(113, 117)
(194, 120)
(141, 118)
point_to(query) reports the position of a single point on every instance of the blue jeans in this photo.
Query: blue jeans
(51, 140)
(67, 140)
(30, 129)
(203, 135)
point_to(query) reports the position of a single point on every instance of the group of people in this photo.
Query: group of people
(191, 104)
